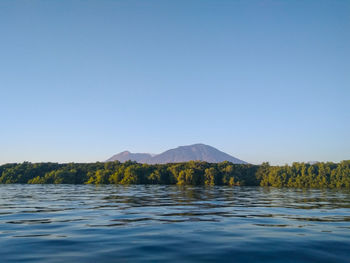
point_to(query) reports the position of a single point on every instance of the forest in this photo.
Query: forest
(299, 175)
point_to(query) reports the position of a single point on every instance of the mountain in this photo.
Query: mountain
(195, 152)
(126, 156)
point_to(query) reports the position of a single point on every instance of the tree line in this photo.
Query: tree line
(301, 175)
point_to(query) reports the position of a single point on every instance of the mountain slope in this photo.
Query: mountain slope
(195, 152)
(126, 156)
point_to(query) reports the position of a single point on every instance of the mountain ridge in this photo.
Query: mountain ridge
(194, 152)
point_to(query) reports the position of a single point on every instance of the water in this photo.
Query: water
(84, 223)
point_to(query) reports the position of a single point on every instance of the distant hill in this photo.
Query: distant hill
(195, 152)
(126, 156)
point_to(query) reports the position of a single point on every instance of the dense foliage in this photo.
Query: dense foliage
(319, 175)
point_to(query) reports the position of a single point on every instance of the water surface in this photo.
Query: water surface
(84, 223)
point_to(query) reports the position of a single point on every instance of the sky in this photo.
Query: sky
(260, 80)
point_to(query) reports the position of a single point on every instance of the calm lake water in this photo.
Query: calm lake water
(84, 223)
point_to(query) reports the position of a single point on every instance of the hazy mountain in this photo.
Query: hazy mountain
(196, 152)
(126, 156)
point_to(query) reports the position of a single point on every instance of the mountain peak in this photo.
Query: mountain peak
(194, 152)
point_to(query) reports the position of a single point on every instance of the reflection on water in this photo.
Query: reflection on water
(65, 223)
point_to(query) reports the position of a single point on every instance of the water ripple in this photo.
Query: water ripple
(60, 223)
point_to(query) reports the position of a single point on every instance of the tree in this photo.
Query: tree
(211, 176)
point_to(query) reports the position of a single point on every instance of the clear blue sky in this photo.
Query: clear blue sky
(261, 80)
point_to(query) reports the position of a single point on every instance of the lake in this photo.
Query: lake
(152, 223)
